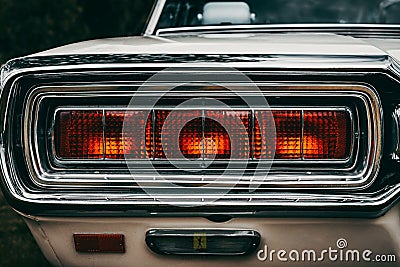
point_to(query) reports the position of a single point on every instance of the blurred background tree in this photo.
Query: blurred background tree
(31, 26)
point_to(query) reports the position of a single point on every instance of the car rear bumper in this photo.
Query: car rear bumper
(335, 241)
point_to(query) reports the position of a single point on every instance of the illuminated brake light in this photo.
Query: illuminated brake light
(227, 134)
(178, 134)
(287, 134)
(190, 139)
(209, 134)
(134, 142)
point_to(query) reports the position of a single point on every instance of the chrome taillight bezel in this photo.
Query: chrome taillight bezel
(332, 178)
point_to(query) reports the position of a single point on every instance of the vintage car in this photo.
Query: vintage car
(232, 133)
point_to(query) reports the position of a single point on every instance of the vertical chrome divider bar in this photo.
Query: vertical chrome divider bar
(396, 133)
(302, 135)
(104, 133)
(252, 142)
(203, 125)
(153, 124)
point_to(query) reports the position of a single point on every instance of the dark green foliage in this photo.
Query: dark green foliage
(17, 246)
(31, 26)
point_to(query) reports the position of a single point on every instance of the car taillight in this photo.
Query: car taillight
(305, 139)
(94, 134)
(208, 134)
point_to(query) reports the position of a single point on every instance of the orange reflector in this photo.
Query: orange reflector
(100, 243)
(208, 134)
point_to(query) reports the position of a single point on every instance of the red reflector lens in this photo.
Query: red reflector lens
(99, 243)
(80, 134)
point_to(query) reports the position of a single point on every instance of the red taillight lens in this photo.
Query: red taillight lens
(191, 138)
(287, 134)
(209, 134)
(227, 134)
(325, 135)
(308, 135)
(94, 135)
(174, 144)
(134, 142)
(80, 134)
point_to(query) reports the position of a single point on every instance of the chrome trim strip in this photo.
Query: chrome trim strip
(367, 28)
(396, 133)
(298, 63)
(357, 181)
(266, 201)
(251, 242)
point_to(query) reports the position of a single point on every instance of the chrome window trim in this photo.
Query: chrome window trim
(299, 27)
(151, 28)
(155, 16)
(361, 181)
